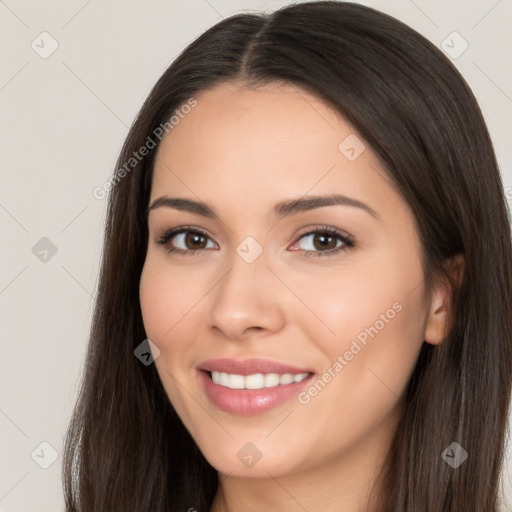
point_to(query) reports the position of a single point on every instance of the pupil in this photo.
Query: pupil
(324, 241)
(194, 238)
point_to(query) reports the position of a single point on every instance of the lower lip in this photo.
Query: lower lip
(248, 402)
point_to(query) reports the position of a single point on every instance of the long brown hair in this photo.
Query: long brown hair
(126, 449)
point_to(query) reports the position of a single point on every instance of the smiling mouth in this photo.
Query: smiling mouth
(252, 393)
(255, 380)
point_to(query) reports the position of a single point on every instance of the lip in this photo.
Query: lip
(249, 402)
(249, 366)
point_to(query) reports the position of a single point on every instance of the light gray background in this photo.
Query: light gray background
(63, 120)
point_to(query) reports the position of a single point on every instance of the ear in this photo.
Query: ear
(440, 311)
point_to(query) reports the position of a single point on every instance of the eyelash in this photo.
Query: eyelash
(348, 241)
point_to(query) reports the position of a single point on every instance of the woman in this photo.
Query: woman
(230, 368)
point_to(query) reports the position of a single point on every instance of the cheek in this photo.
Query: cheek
(167, 298)
(357, 303)
(380, 296)
(371, 313)
(368, 362)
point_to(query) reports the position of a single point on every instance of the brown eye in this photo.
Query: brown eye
(324, 242)
(186, 241)
(195, 240)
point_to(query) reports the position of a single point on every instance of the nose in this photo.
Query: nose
(246, 302)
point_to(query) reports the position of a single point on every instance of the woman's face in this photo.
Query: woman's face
(259, 281)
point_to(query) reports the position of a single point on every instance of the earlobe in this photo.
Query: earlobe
(438, 320)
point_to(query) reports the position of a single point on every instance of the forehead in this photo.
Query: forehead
(230, 112)
(264, 144)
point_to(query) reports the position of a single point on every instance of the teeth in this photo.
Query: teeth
(287, 378)
(256, 380)
(236, 381)
(271, 380)
(222, 379)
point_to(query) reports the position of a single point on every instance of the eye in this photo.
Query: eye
(192, 241)
(323, 241)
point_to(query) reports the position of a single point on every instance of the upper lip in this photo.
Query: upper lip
(249, 366)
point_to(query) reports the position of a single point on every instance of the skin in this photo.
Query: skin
(242, 151)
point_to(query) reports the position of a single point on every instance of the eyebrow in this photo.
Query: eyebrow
(281, 209)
